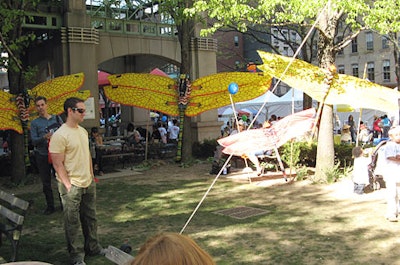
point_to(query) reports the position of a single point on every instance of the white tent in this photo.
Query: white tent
(280, 106)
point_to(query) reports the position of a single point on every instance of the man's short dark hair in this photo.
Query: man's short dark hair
(40, 98)
(71, 103)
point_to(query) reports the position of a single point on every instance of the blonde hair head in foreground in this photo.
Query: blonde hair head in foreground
(172, 249)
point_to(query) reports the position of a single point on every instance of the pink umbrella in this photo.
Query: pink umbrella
(102, 79)
(290, 127)
(159, 72)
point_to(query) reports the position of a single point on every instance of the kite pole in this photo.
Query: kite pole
(147, 136)
(359, 119)
(233, 88)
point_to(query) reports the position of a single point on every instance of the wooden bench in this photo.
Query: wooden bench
(122, 157)
(12, 215)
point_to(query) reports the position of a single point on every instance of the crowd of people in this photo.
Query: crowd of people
(365, 135)
(243, 123)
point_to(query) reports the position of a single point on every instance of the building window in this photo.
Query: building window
(285, 35)
(354, 68)
(237, 65)
(369, 38)
(386, 70)
(275, 33)
(236, 40)
(293, 36)
(341, 69)
(339, 39)
(371, 71)
(385, 42)
(285, 51)
(354, 45)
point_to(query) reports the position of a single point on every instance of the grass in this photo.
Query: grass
(303, 224)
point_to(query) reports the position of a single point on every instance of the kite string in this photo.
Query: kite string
(258, 113)
(205, 194)
(234, 112)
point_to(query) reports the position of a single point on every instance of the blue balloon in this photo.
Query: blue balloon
(164, 118)
(233, 88)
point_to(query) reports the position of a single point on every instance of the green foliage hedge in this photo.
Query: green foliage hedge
(304, 154)
(204, 149)
(300, 153)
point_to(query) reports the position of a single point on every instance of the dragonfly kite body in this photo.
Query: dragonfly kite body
(182, 97)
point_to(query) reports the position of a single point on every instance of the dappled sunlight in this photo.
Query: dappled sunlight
(124, 216)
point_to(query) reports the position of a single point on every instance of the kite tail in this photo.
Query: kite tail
(22, 100)
(180, 136)
(26, 144)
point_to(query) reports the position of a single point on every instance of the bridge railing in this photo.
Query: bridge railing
(134, 27)
(123, 26)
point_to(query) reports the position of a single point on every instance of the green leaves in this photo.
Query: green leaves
(381, 15)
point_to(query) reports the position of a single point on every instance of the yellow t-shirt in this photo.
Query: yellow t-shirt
(74, 143)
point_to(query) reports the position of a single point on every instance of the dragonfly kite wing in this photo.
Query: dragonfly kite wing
(211, 91)
(301, 75)
(160, 93)
(9, 113)
(59, 86)
(58, 89)
(369, 95)
(145, 91)
(343, 89)
(56, 105)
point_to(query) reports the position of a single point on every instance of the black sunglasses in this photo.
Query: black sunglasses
(79, 110)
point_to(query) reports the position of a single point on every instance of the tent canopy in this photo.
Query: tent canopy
(227, 111)
(280, 106)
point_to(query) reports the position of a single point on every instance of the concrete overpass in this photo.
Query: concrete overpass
(85, 43)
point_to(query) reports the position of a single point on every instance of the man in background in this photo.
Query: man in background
(42, 128)
(173, 132)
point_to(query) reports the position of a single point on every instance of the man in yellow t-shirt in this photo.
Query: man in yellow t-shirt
(69, 149)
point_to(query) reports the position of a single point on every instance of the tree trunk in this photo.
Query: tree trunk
(396, 63)
(17, 145)
(325, 148)
(185, 34)
(18, 169)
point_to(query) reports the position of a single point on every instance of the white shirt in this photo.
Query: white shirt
(173, 132)
(360, 170)
(163, 134)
